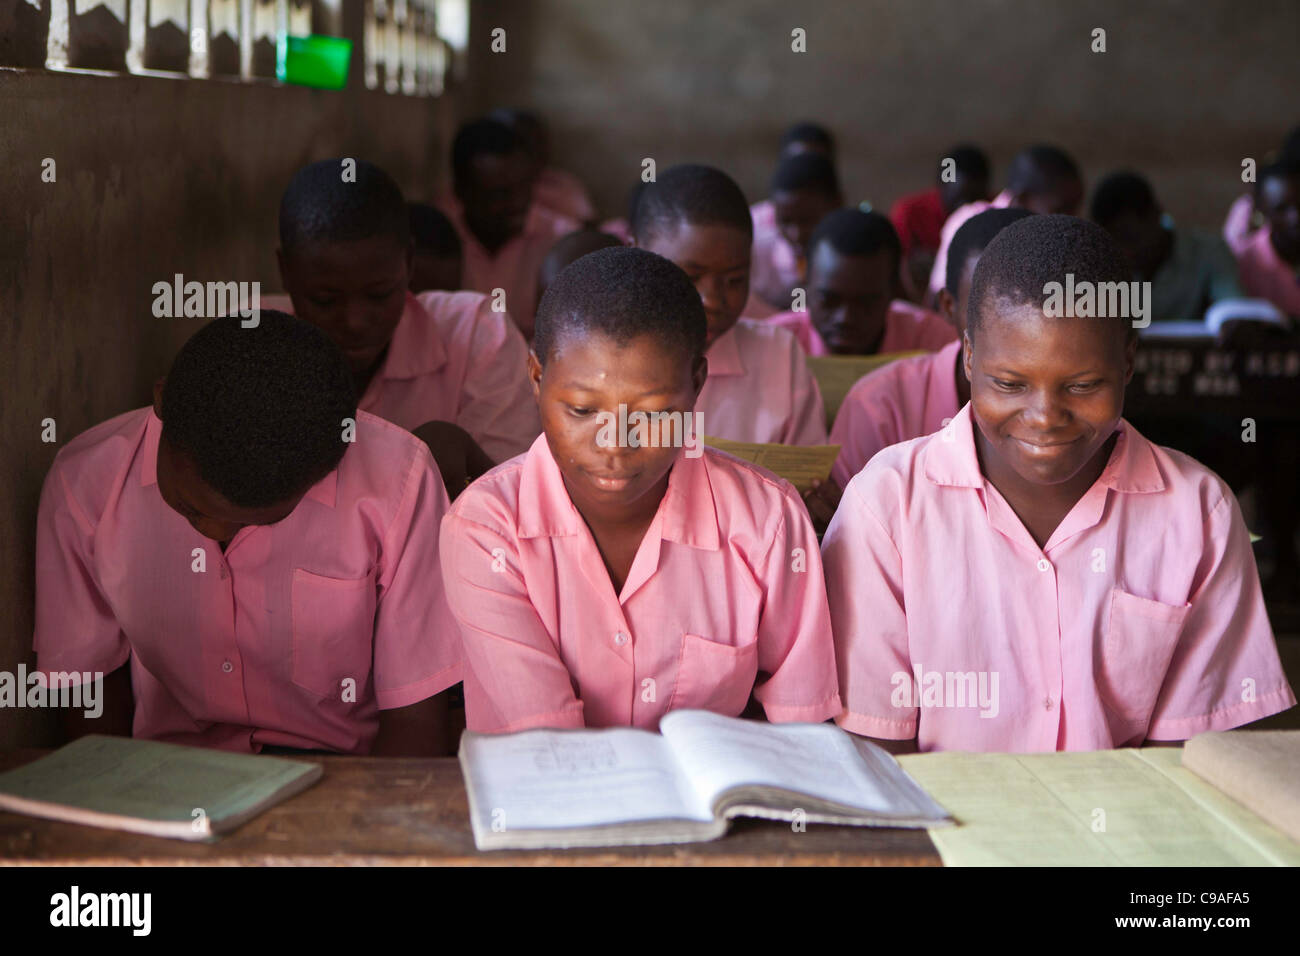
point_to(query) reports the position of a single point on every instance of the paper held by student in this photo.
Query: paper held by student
(800, 465)
(166, 790)
(836, 374)
(628, 787)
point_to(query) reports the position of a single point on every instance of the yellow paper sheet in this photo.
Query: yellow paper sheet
(836, 374)
(800, 465)
(1043, 810)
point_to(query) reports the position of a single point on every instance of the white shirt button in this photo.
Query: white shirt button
(620, 638)
(227, 667)
(1043, 565)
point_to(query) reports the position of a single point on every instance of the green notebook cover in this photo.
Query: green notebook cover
(187, 793)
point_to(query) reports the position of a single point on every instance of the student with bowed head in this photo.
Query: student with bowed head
(919, 395)
(1043, 179)
(613, 574)
(1037, 575)
(505, 234)
(442, 364)
(854, 303)
(759, 388)
(252, 561)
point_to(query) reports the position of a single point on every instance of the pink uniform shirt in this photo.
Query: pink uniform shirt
(563, 194)
(1265, 275)
(515, 265)
(453, 359)
(939, 274)
(254, 647)
(905, 399)
(726, 589)
(774, 264)
(1237, 226)
(759, 389)
(1141, 618)
(908, 328)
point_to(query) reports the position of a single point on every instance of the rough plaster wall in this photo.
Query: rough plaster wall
(155, 176)
(1184, 91)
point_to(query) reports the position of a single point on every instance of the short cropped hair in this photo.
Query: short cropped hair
(973, 237)
(482, 137)
(259, 410)
(320, 205)
(1041, 168)
(852, 232)
(1022, 259)
(623, 293)
(690, 193)
(968, 160)
(811, 171)
(433, 232)
(814, 134)
(1120, 193)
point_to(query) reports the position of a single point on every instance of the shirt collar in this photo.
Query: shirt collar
(687, 515)
(324, 491)
(415, 349)
(724, 354)
(949, 458)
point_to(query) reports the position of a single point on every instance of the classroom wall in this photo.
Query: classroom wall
(154, 176)
(1184, 90)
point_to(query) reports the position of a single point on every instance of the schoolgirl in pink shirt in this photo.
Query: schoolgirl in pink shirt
(252, 562)
(1037, 575)
(758, 389)
(345, 257)
(919, 395)
(1269, 260)
(804, 189)
(575, 570)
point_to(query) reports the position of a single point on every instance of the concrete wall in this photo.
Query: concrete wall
(1184, 91)
(154, 176)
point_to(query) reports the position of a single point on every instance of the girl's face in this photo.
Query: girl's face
(579, 391)
(849, 298)
(716, 258)
(1046, 393)
(354, 292)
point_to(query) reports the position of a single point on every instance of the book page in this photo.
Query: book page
(836, 374)
(720, 753)
(561, 779)
(1102, 808)
(800, 465)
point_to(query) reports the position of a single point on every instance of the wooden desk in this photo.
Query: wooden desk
(368, 811)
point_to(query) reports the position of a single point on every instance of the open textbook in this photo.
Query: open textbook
(166, 790)
(626, 787)
(800, 465)
(836, 374)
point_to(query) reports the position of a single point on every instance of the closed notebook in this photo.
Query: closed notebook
(629, 787)
(166, 790)
(1260, 769)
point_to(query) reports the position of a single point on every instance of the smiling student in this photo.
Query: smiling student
(345, 260)
(575, 570)
(759, 388)
(854, 303)
(1038, 546)
(247, 573)
(919, 395)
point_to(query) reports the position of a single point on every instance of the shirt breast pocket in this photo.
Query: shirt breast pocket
(713, 676)
(333, 632)
(1141, 635)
